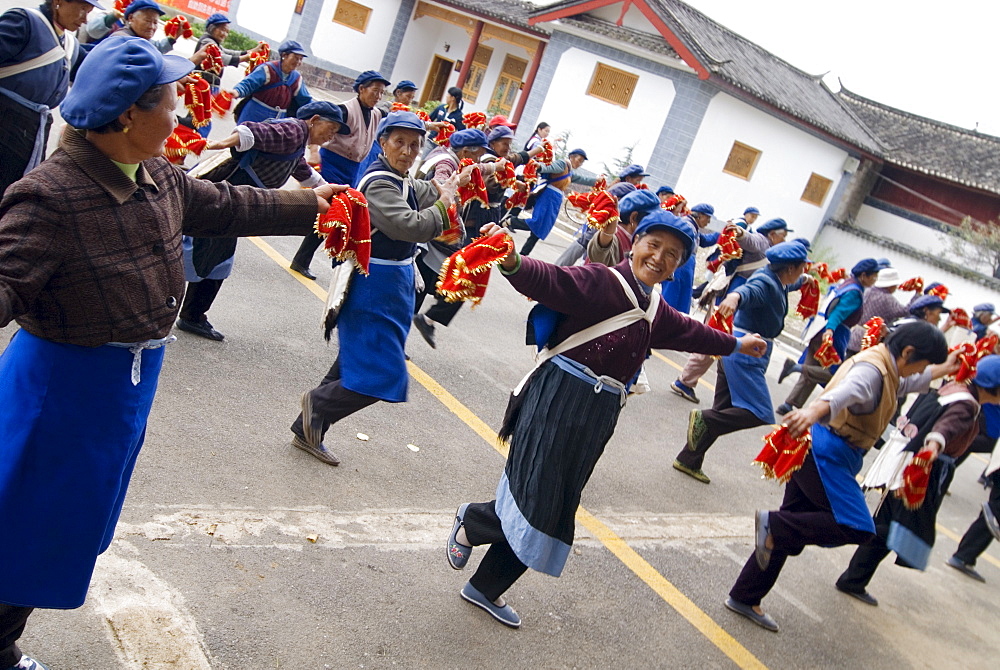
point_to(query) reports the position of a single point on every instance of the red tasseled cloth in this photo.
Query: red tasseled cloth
(347, 228)
(783, 454)
(466, 273)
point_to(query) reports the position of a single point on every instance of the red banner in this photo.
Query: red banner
(200, 8)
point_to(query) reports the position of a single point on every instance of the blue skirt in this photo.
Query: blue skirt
(372, 330)
(747, 383)
(545, 212)
(336, 169)
(70, 432)
(255, 110)
(839, 463)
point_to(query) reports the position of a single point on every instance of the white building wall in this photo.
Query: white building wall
(350, 48)
(602, 129)
(897, 228)
(425, 38)
(270, 18)
(633, 18)
(788, 157)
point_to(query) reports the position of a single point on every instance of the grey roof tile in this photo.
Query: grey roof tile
(515, 12)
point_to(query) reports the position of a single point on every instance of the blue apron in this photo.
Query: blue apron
(255, 110)
(72, 426)
(336, 169)
(839, 463)
(372, 330)
(546, 211)
(677, 292)
(747, 383)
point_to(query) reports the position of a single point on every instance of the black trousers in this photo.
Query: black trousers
(198, 299)
(500, 567)
(978, 537)
(721, 420)
(332, 401)
(812, 374)
(805, 518)
(863, 565)
(529, 244)
(310, 243)
(12, 621)
(17, 140)
(441, 311)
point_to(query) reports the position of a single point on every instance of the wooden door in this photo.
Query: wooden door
(437, 79)
(508, 84)
(477, 72)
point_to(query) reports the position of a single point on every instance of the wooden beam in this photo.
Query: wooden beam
(470, 53)
(528, 83)
(572, 10)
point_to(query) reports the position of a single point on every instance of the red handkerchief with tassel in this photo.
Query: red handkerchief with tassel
(519, 198)
(183, 141)
(729, 247)
(601, 184)
(260, 55)
(970, 354)
(808, 299)
(423, 116)
(474, 120)
(837, 275)
(443, 137)
(603, 210)
(122, 5)
(826, 355)
(476, 188)
(547, 154)
(714, 264)
(940, 291)
(213, 60)
(198, 100)
(580, 200)
(873, 332)
(915, 284)
(178, 27)
(455, 232)
(961, 318)
(465, 274)
(724, 325)
(530, 174)
(221, 103)
(400, 107)
(347, 228)
(505, 175)
(916, 477)
(783, 454)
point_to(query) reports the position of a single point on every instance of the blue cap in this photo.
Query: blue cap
(927, 301)
(787, 252)
(216, 19)
(665, 189)
(865, 266)
(988, 372)
(633, 170)
(291, 47)
(703, 208)
(930, 287)
(661, 219)
(985, 307)
(499, 133)
(468, 138)
(325, 110)
(773, 224)
(638, 200)
(804, 242)
(751, 210)
(578, 152)
(407, 120)
(405, 85)
(621, 189)
(113, 76)
(883, 263)
(137, 5)
(367, 77)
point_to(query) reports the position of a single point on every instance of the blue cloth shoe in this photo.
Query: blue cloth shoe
(505, 615)
(762, 620)
(683, 390)
(28, 663)
(458, 553)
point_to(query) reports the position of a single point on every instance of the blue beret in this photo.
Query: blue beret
(138, 5)
(661, 219)
(622, 189)
(927, 301)
(291, 47)
(883, 263)
(773, 224)
(469, 137)
(325, 110)
(984, 307)
(804, 242)
(405, 85)
(113, 76)
(216, 19)
(988, 372)
(664, 189)
(367, 77)
(703, 208)
(633, 170)
(405, 120)
(787, 252)
(930, 287)
(638, 200)
(499, 133)
(751, 210)
(865, 266)
(579, 152)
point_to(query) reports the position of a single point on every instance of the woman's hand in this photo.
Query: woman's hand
(798, 421)
(728, 306)
(448, 189)
(324, 193)
(228, 143)
(465, 174)
(753, 345)
(508, 262)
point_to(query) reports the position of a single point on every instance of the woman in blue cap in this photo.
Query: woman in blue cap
(677, 292)
(577, 248)
(742, 401)
(562, 415)
(216, 32)
(38, 53)
(275, 89)
(264, 155)
(91, 270)
(553, 181)
(945, 422)
(633, 174)
(403, 94)
(374, 319)
(983, 315)
(142, 18)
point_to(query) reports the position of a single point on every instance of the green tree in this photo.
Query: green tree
(976, 244)
(620, 163)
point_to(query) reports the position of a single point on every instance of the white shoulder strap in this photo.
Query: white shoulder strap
(53, 55)
(404, 182)
(432, 161)
(955, 397)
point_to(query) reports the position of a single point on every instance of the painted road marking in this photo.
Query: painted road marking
(615, 544)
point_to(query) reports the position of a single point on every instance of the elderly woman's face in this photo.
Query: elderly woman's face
(402, 147)
(933, 315)
(71, 14)
(291, 62)
(501, 146)
(148, 130)
(321, 130)
(219, 32)
(370, 95)
(656, 255)
(144, 23)
(405, 97)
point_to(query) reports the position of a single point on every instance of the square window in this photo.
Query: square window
(816, 189)
(741, 161)
(612, 85)
(352, 15)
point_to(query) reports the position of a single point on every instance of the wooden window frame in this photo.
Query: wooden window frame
(602, 68)
(753, 165)
(809, 183)
(357, 5)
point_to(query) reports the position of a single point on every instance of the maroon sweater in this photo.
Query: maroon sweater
(589, 294)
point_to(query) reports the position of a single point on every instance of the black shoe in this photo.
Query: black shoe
(320, 452)
(425, 329)
(304, 271)
(783, 409)
(862, 595)
(202, 329)
(786, 369)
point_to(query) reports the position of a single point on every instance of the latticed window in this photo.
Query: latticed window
(741, 161)
(816, 189)
(352, 15)
(612, 85)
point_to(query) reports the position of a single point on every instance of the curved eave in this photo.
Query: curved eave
(944, 177)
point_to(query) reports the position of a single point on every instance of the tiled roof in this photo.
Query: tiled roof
(514, 12)
(646, 41)
(931, 147)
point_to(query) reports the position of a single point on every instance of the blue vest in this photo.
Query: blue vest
(46, 85)
(384, 246)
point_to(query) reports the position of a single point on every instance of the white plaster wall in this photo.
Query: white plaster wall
(788, 157)
(601, 128)
(633, 17)
(348, 47)
(425, 38)
(270, 18)
(896, 227)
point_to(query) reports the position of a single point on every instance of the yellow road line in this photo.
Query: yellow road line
(666, 360)
(615, 544)
(958, 538)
